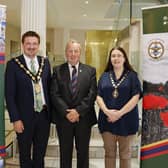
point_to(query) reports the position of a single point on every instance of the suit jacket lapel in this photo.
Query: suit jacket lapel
(66, 76)
(42, 75)
(80, 74)
(66, 71)
(29, 81)
(22, 60)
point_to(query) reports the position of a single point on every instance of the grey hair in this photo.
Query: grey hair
(71, 41)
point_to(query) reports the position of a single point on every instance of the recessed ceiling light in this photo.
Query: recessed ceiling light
(115, 40)
(84, 14)
(86, 2)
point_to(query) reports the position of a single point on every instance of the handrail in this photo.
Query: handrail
(9, 133)
(8, 139)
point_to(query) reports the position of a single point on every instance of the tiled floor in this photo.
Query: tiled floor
(94, 163)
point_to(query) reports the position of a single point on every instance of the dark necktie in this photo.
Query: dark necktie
(74, 82)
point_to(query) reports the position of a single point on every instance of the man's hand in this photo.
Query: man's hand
(18, 126)
(72, 115)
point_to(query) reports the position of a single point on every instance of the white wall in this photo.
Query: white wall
(80, 36)
(12, 33)
(61, 37)
(50, 38)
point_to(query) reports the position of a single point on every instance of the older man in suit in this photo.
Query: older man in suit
(27, 81)
(73, 93)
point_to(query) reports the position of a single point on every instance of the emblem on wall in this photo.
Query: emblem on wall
(155, 49)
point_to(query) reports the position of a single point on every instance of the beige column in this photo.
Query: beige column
(134, 46)
(59, 55)
(33, 17)
(66, 37)
(58, 42)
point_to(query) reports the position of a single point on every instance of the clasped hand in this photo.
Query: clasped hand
(72, 115)
(113, 115)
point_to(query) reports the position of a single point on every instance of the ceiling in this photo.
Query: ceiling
(79, 14)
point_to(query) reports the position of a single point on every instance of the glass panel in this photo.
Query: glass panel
(98, 43)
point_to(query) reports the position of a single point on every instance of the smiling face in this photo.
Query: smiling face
(117, 59)
(30, 46)
(73, 52)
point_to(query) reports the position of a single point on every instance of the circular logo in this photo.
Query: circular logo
(155, 49)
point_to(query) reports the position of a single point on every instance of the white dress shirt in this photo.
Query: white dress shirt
(71, 69)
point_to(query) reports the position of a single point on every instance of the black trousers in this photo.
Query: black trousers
(36, 133)
(67, 133)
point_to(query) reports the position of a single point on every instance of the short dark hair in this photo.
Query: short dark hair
(30, 34)
(127, 65)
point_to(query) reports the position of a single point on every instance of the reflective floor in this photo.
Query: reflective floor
(94, 163)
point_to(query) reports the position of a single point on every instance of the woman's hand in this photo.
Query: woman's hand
(113, 115)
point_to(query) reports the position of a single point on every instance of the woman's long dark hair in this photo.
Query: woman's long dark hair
(127, 66)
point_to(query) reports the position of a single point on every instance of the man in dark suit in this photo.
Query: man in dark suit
(73, 95)
(27, 81)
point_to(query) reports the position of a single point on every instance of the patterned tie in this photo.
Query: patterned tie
(74, 82)
(37, 90)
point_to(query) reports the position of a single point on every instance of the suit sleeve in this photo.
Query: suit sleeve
(87, 103)
(49, 74)
(11, 91)
(56, 98)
